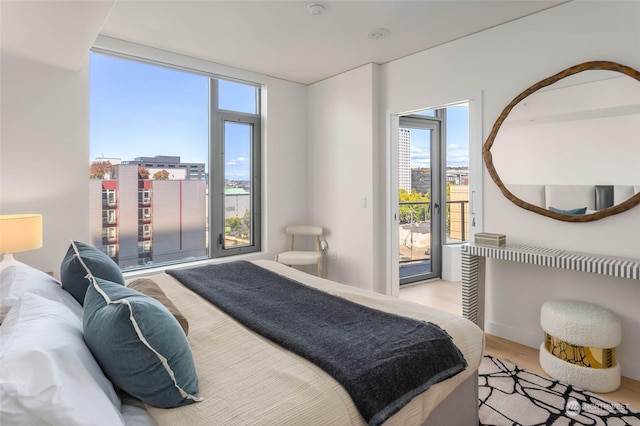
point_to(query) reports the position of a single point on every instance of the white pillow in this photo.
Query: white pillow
(134, 413)
(48, 374)
(17, 280)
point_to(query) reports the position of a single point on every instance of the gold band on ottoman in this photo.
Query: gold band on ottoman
(580, 355)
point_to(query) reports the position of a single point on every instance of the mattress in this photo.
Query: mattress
(246, 379)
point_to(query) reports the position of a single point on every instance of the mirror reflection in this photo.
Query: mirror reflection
(572, 147)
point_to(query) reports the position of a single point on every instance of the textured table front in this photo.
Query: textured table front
(473, 259)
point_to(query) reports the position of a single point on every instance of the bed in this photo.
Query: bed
(244, 378)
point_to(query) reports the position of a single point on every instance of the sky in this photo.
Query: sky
(457, 136)
(142, 110)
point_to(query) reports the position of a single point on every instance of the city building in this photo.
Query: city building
(134, 221)
(458, 176)
(172, 164)
(404, 160)
(237, 202)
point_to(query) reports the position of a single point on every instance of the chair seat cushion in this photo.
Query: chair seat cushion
(299, 257)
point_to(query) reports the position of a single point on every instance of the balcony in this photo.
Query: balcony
(457, 221)
(110, 237)
(109, 218)
(143, 236)
(111, 250)
(415, 233)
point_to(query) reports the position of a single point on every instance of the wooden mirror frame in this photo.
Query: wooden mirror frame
(488, 159)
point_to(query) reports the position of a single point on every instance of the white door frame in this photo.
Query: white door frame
(476, 173)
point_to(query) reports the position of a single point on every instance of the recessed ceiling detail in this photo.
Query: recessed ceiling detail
(317, 9)
(378, 33)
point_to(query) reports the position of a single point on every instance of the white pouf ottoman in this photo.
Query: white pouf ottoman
(580, 344)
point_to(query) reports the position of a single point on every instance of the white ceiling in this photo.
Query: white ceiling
(275, 38)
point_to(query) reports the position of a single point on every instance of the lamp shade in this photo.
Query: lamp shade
(20, 232)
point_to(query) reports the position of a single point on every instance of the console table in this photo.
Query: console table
(473, 269)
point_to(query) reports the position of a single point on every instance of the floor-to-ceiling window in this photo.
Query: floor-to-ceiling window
(174, 162)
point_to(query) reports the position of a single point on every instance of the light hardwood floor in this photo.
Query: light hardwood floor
(447, 296)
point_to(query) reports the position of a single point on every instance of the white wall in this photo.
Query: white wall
(44, 153)
(44, 156)
(284, 162)
(342, 149)
(501, 63)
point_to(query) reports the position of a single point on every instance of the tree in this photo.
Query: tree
(161, 175)
(143, 172)
(234, 224)
(100, 169)
(417, 207)
(238, 227)
(246, 220)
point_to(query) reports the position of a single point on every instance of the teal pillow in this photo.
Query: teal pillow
(570, 212)
(82, 259)
(139, 345)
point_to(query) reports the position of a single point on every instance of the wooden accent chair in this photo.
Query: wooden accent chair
(302, 257)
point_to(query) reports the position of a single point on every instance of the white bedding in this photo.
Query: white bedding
(247, 380)
(134, 413)
(47, 374)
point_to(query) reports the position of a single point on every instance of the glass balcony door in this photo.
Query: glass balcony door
(419, 198)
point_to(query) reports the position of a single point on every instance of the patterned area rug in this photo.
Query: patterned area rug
(510, 395)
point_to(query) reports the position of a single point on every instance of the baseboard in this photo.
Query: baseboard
(630, 369)
(526, 338)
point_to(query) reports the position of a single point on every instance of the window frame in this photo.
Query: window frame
(216, 183)
(217, 177)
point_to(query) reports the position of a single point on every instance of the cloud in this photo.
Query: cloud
(236, 162)
(237, 169)
(457, 155)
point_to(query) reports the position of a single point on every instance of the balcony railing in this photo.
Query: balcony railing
(415, 228)
(110, 218)
(109, 239)
(457, 221)
(144, 235)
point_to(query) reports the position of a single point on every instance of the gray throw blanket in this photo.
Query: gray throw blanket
(382, 360)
